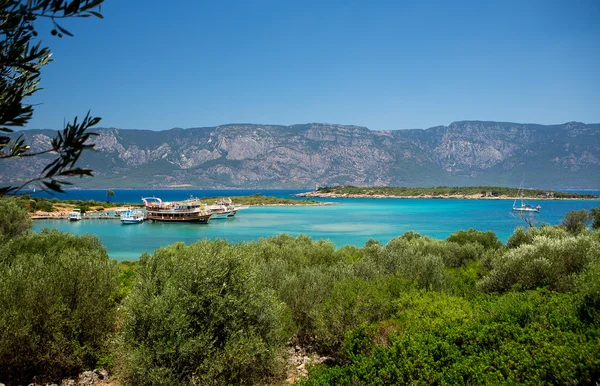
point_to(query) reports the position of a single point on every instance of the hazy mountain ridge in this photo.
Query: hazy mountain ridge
(250, 155)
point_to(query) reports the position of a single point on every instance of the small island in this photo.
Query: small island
(469, 192)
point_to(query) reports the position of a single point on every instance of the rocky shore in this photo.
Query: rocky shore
(97, 377)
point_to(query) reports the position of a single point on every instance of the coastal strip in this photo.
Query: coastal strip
(61, 210)
(468, 193)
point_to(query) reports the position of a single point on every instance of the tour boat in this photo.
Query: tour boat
(132, 216)
(191, 210)
(75, 215)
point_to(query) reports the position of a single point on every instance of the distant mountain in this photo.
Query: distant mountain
(300, 156)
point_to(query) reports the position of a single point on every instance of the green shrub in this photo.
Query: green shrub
(410, 235)
(457, 255)
(588, 286)
(413, 260)
(595, 216)
(463, 281)
(353, 302)
(488, 239)
(56, 306)
(302, 273)
(198, 315)
(576, 221)
(545, 262)
(525, 236)
(14, 220)
(520, 338)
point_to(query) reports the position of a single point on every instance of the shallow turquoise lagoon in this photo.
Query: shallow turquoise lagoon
(349, 221)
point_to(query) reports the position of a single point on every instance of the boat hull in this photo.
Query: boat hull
(132, 221)
(526, 210)
(221, 215)
(169, 217)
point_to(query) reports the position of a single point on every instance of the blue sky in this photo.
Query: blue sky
(381, 64)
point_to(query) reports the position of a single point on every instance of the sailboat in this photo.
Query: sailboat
(524, 206)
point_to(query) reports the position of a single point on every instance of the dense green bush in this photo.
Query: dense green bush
(588, 287)
(529, 338)
(353, 302)
(576, 221)
(302, 273)
(488, 240)
(416, 259)
(545, 262)
(525, 236)
(595, 216)
(198, 315)
(56, 306)
(14, 220)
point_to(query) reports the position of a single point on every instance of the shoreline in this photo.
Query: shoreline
(444, 196)
(107, 215)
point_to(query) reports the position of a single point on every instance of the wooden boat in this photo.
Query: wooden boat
(191, 210)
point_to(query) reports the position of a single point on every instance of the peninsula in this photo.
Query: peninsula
(470, 192)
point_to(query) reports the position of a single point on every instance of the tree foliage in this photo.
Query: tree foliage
(576, 221)
(109, 194)
(14, 220)
(416, 310)
(595, 216)
(197, 315)
(21, 60)
(56, 305)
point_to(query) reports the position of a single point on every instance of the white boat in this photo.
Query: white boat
(226, 207)
(132, 216)
(524, 206)
(220, 212)
(75, 215)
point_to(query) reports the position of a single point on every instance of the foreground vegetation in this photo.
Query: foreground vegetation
(465, 310)
(441, 191)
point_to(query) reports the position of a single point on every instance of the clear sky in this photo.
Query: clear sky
(156, 65)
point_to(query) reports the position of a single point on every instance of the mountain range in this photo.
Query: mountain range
(465, 153)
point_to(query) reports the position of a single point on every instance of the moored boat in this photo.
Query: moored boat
(75, 215)
(191, 210)
(220, 211)
(227, 207)
(132, 216)
(524, 206)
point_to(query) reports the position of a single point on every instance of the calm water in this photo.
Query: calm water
(350, 221)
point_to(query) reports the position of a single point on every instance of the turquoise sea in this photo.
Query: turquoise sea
(348, 221)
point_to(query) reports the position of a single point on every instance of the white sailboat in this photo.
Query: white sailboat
(524, 206)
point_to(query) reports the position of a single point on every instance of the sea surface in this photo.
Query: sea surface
(347, 221)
